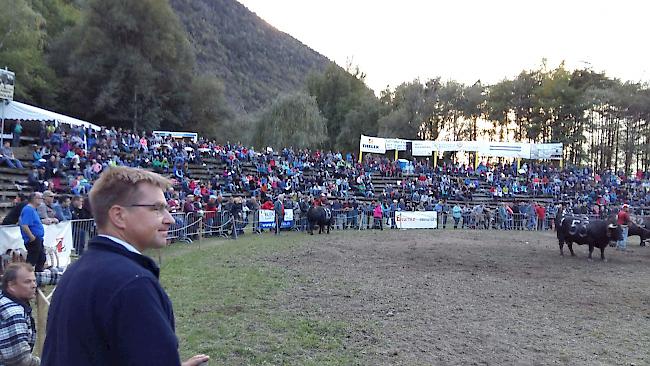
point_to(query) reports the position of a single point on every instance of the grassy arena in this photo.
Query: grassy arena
(408, 297)
(227, 298)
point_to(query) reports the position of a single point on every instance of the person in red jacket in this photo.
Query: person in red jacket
(540, 210)
(267, 205)
(623, 219)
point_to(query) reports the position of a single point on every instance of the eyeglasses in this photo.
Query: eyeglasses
(159, 208)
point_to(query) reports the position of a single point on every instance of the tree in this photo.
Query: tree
(210, 114)
(291, 120)
(360, 120)
(472, 106)
(129, 63)
(408, 114)
(337, 92)
(22, 42)
(449, 106)
(499, 105)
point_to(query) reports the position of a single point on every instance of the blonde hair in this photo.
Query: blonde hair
(118, 186)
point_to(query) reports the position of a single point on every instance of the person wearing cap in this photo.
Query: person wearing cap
(623, 220)
(47, 210)
(188, 206)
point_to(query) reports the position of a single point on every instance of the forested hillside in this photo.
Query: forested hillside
(254, 60)
(204, 65)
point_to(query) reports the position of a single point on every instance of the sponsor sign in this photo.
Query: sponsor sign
(372, 144)
(267, 219)
(422, 148)
(456, 145)
(57, 241)
(416, 219)
(288, 218)
(505, 149)
(546, 151)
(7, 81)
(485, 148)
(396, 144)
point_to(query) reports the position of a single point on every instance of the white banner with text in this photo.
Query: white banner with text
(416, 219)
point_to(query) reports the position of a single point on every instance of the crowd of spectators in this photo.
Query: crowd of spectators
(68, 162)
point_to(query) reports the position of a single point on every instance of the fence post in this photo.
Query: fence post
(200, 228)
(42, 307)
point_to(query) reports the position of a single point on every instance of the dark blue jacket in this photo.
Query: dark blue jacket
(109, 309)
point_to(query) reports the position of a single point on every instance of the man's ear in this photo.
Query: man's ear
(118, 216)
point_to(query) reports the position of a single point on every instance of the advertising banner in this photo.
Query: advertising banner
(505, 149)
(7, 81)
(372, 145)
(267, 219)
(456, 145)
(395, 144)
(288, 218)
(546, 151)
(57, 241)
(422, 148)
(416, 219)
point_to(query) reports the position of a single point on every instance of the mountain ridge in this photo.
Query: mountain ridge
(255, 60)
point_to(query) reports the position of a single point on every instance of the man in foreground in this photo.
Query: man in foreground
(109, 308)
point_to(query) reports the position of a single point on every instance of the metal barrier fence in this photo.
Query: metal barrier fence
(188, 227)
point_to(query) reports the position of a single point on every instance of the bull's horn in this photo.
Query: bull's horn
(611, 226)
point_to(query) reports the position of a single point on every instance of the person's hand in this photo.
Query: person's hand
(197, 360)
(55, 221)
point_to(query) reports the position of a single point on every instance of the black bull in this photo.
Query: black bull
(638, 226)
(321, 216)
(582, 230)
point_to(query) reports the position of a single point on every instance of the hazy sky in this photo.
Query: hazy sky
(397, 41)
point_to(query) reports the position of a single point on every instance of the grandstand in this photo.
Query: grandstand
(210, 166)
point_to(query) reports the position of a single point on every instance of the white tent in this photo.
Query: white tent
(21, 111)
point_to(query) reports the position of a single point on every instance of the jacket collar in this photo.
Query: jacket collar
(24, 304)
(105, 244)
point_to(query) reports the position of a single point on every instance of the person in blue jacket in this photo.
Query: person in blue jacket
(109, 308)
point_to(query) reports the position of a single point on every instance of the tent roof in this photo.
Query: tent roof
(22, 111)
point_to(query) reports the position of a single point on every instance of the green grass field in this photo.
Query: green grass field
(227, 301)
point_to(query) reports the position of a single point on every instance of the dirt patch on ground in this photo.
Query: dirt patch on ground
(474, 297)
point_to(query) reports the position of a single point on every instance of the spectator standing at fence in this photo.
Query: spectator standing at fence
(66, 210)
(14, 214)
(189, 206)
(17, 327)
(123, 316)
(278, 207)
(540, 210)
(456, 213)
(33, 232)
(377, 214)
(47, 210)
(79, 229)
(623, 219)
